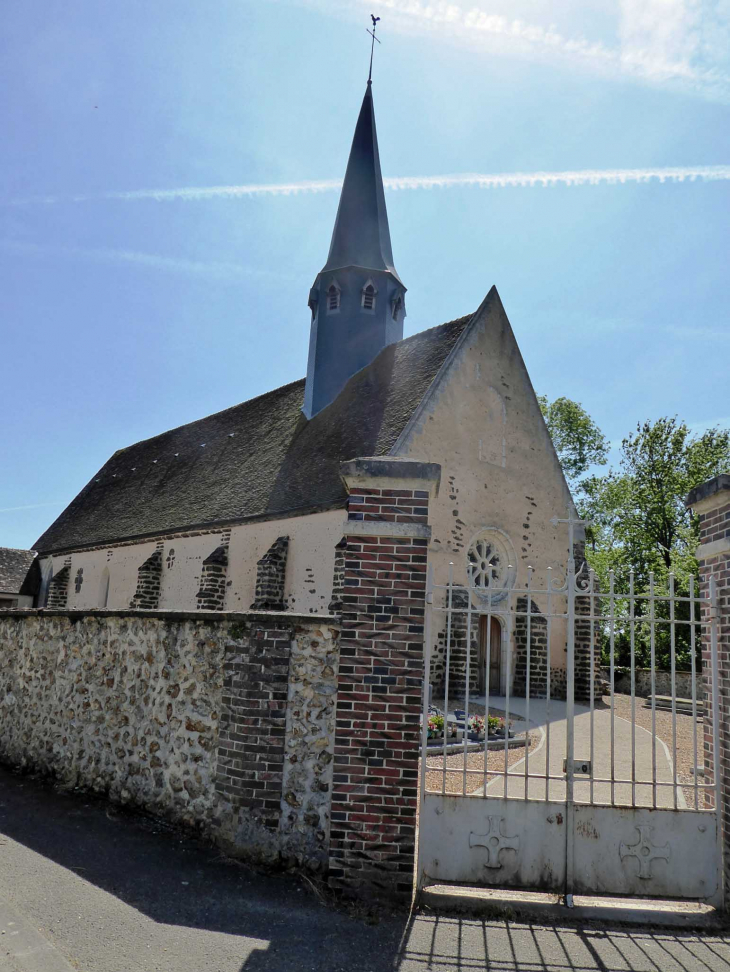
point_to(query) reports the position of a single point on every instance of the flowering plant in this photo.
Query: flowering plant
(435, 725)
(476, 723)
(494, 722)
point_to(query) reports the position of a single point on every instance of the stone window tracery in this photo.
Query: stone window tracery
(490, 565)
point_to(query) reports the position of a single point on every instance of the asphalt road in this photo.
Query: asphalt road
(85, 886)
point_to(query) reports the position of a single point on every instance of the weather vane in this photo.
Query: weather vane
(372, 45)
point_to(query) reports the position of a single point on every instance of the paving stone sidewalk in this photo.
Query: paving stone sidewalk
(84, 886)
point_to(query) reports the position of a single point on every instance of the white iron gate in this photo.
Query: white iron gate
(609, 797)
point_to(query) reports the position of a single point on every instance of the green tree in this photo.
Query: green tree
(640, 524)
(578, 441)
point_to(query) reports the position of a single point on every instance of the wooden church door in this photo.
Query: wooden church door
(495, 656)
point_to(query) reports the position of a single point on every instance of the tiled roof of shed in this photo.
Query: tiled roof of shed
(14, 566)
(258, 458)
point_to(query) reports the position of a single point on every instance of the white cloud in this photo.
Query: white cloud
(663, 42)
(570, 177)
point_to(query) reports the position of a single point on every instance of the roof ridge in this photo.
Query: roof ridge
(19, 549)
(435, 327)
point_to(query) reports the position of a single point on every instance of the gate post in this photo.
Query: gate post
(381, 675)
(711, 502)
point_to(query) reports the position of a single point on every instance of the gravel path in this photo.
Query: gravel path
(474, 761)
(684, 758)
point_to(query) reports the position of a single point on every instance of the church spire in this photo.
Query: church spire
(361, 235)
(358, 300)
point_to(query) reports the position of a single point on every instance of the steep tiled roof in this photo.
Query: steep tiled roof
(14, 567)
(260, 457)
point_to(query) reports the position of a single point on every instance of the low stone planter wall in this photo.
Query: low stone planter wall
(663, 681)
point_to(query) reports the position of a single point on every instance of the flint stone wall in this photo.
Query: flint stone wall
(126, 705)
(663, 682)
(309, 748)
(130, 704)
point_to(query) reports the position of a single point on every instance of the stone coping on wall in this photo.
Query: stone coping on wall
(708, 490)
(286, 617)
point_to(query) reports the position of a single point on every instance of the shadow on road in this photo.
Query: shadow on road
(207, 913)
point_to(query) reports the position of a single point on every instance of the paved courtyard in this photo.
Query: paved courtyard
(618, 754)
(86, 887)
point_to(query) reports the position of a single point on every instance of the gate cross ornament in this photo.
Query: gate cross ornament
(494, 841)
(644, 851)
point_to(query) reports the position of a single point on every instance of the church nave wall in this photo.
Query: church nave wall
(110, 577)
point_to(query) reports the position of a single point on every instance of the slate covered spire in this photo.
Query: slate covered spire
(361, 236)
(358, 299)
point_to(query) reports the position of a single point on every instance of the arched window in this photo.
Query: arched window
(368, 296)
(397, 308)
(333, 298)
(104, 588)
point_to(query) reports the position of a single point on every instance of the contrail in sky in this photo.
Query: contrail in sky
(577, 177)
(31, 506)
(218, 271)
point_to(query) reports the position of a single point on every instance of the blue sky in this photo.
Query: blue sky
(124, 314)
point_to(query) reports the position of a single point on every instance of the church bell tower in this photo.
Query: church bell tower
(358, 300)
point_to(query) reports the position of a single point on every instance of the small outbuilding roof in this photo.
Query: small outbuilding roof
(259, 458)
(14, 567)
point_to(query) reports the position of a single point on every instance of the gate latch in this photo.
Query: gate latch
(581, 767)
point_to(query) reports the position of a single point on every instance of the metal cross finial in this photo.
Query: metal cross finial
(372, 45)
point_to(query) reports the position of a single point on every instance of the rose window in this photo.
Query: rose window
(489, 567)
(485, 564)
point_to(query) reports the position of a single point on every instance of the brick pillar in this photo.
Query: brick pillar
(380, 680)
(711, 502)
(252, 736)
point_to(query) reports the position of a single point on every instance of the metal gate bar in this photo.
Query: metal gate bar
(603, 616)
(636, 618)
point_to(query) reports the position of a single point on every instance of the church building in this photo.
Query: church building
(244, 509)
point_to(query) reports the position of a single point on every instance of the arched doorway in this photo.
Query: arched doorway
(490, 644)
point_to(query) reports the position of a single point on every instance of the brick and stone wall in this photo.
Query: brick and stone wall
(223, 722)
(587, 636)
(212, 593)
(149, 579)
(538, 650)
(125, 705)
(309, 750)
(338, 578)
(380, 680)
(270, 577)
(58, 588)
(711, 502)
